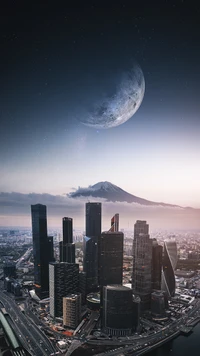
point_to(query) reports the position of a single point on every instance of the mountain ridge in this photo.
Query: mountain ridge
(113, 193)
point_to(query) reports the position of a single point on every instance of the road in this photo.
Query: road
(24, 257)
(137, 345)
(30, 335)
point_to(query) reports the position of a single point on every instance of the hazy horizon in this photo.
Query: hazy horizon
(76, 67)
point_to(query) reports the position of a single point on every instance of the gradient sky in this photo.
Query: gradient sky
(57, 60)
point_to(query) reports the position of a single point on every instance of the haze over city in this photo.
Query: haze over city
(59, 64)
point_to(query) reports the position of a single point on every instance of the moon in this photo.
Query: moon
(115, 109)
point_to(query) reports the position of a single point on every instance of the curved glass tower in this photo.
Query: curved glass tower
(169, 266)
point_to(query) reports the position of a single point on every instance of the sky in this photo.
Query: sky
(57, 62)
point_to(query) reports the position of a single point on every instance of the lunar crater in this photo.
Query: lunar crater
(116, 109)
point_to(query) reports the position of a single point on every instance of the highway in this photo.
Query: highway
(30, 335)
(139, 345)
(24, 257)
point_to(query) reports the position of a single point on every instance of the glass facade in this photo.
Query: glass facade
(142, 263)
(42, 249)
(169, 266)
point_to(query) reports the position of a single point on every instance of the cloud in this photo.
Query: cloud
(17, 206)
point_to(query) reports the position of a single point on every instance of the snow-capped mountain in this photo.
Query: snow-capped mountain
(113, 193)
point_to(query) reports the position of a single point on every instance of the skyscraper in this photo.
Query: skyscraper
(90, 262)
(67, 247)
(142, 263)
(63, 280)
(67, 230)
(93, 219)
(156, 265)
(114, 223)
(117, 310)
(169, 266)
(110, 258)
(90, 245)
(42, 249)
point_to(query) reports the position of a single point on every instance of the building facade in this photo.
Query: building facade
(72, 310)
(90, 262)
(169, 265)
(90, 245)
(158, 304)
(110, 258)
(114, 223)
(42, 249)
(142, 264)
(63, 280)
(117, 310)
(156, 265)
(93, 219)
(67, 247)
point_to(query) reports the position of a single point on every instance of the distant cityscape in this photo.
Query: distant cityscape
(95, 292)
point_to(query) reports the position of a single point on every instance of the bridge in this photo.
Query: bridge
(17, 349)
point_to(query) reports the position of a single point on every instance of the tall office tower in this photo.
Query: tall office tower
(158, 304)
(67, 230)
(110, 258)
(169, 266)
(50, 248)
(82, 286)
(90, 262)
(156, 265)
(117, 310)
(90, 245)
(67, 247)
(142, 263)
(114, 223)
(72, 310)
(42, 249)
(93, 219)
(63, 280)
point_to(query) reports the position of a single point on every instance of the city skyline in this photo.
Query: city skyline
(54, 76)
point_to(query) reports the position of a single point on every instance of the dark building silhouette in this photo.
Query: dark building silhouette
(156, 265)
(158, 304)
(50, 248)
(63, 280)
(82, 286)
(114, 223)
(67, 247)
(90, 262)
(110, 258)
(42, 249)
(93, 301)
(136, 312)
(93, 219)
(67, 252)
(142, 264)
(169, 266)
(9, 270)
(117, 310)
(67, 230)
(90, 245)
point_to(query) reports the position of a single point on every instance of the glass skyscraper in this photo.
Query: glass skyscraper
(142, 263)
(90, 245)
(93, 219)
(42, 249)
(156, 265)
(110, 260)
(67, 247)
(169, 266)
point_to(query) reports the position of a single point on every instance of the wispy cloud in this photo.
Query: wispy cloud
(17, 205)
